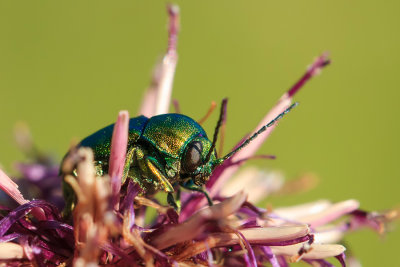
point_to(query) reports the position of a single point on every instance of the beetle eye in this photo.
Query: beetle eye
(192, 156)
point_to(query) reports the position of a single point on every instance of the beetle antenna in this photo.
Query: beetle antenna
(222, 115)
(254, 136)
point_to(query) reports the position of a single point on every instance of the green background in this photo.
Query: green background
(68, 67)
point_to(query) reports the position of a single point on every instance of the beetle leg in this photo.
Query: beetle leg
(128, 161)
(165, 184)
(178, 195)
(171, 201)
(191, 186)
(178, 200)
(150, 169)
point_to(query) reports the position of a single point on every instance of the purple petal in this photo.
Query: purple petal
(50, 212)
(131, 192)
(342, 259)
(321, 263)
(271, 256)
(9, 237)
(250, 252)
(36, 172)
(315, 68)
(117, 251)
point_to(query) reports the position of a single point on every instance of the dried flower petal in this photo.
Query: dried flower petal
(194, 225)
(257, 183)
(11, 251)
(317, 251)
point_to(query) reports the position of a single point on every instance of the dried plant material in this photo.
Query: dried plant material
(316, 251)
(11, 251)
(195, 225)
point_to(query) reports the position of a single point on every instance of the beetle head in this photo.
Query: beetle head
(195, 162)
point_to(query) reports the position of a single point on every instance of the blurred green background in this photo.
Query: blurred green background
(68, 67)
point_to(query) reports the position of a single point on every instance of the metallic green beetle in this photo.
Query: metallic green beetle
(164, 151)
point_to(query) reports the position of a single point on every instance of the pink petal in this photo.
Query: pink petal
(317, 213)
(257, 183)
(11, 188)
(158, 97)
(283, 103)
(274, 234)
(330, 214)
(149, 99)
(302, 210)
(119, 145)
(252, 148)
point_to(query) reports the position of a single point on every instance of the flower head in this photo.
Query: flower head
(114, 224)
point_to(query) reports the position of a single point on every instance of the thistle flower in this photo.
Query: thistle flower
(109, 224)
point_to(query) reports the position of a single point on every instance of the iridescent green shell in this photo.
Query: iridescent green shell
(170, 133)
(100, 141)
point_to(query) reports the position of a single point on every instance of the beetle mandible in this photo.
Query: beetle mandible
(165, 151)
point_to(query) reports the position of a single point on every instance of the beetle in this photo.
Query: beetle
(164, 151)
